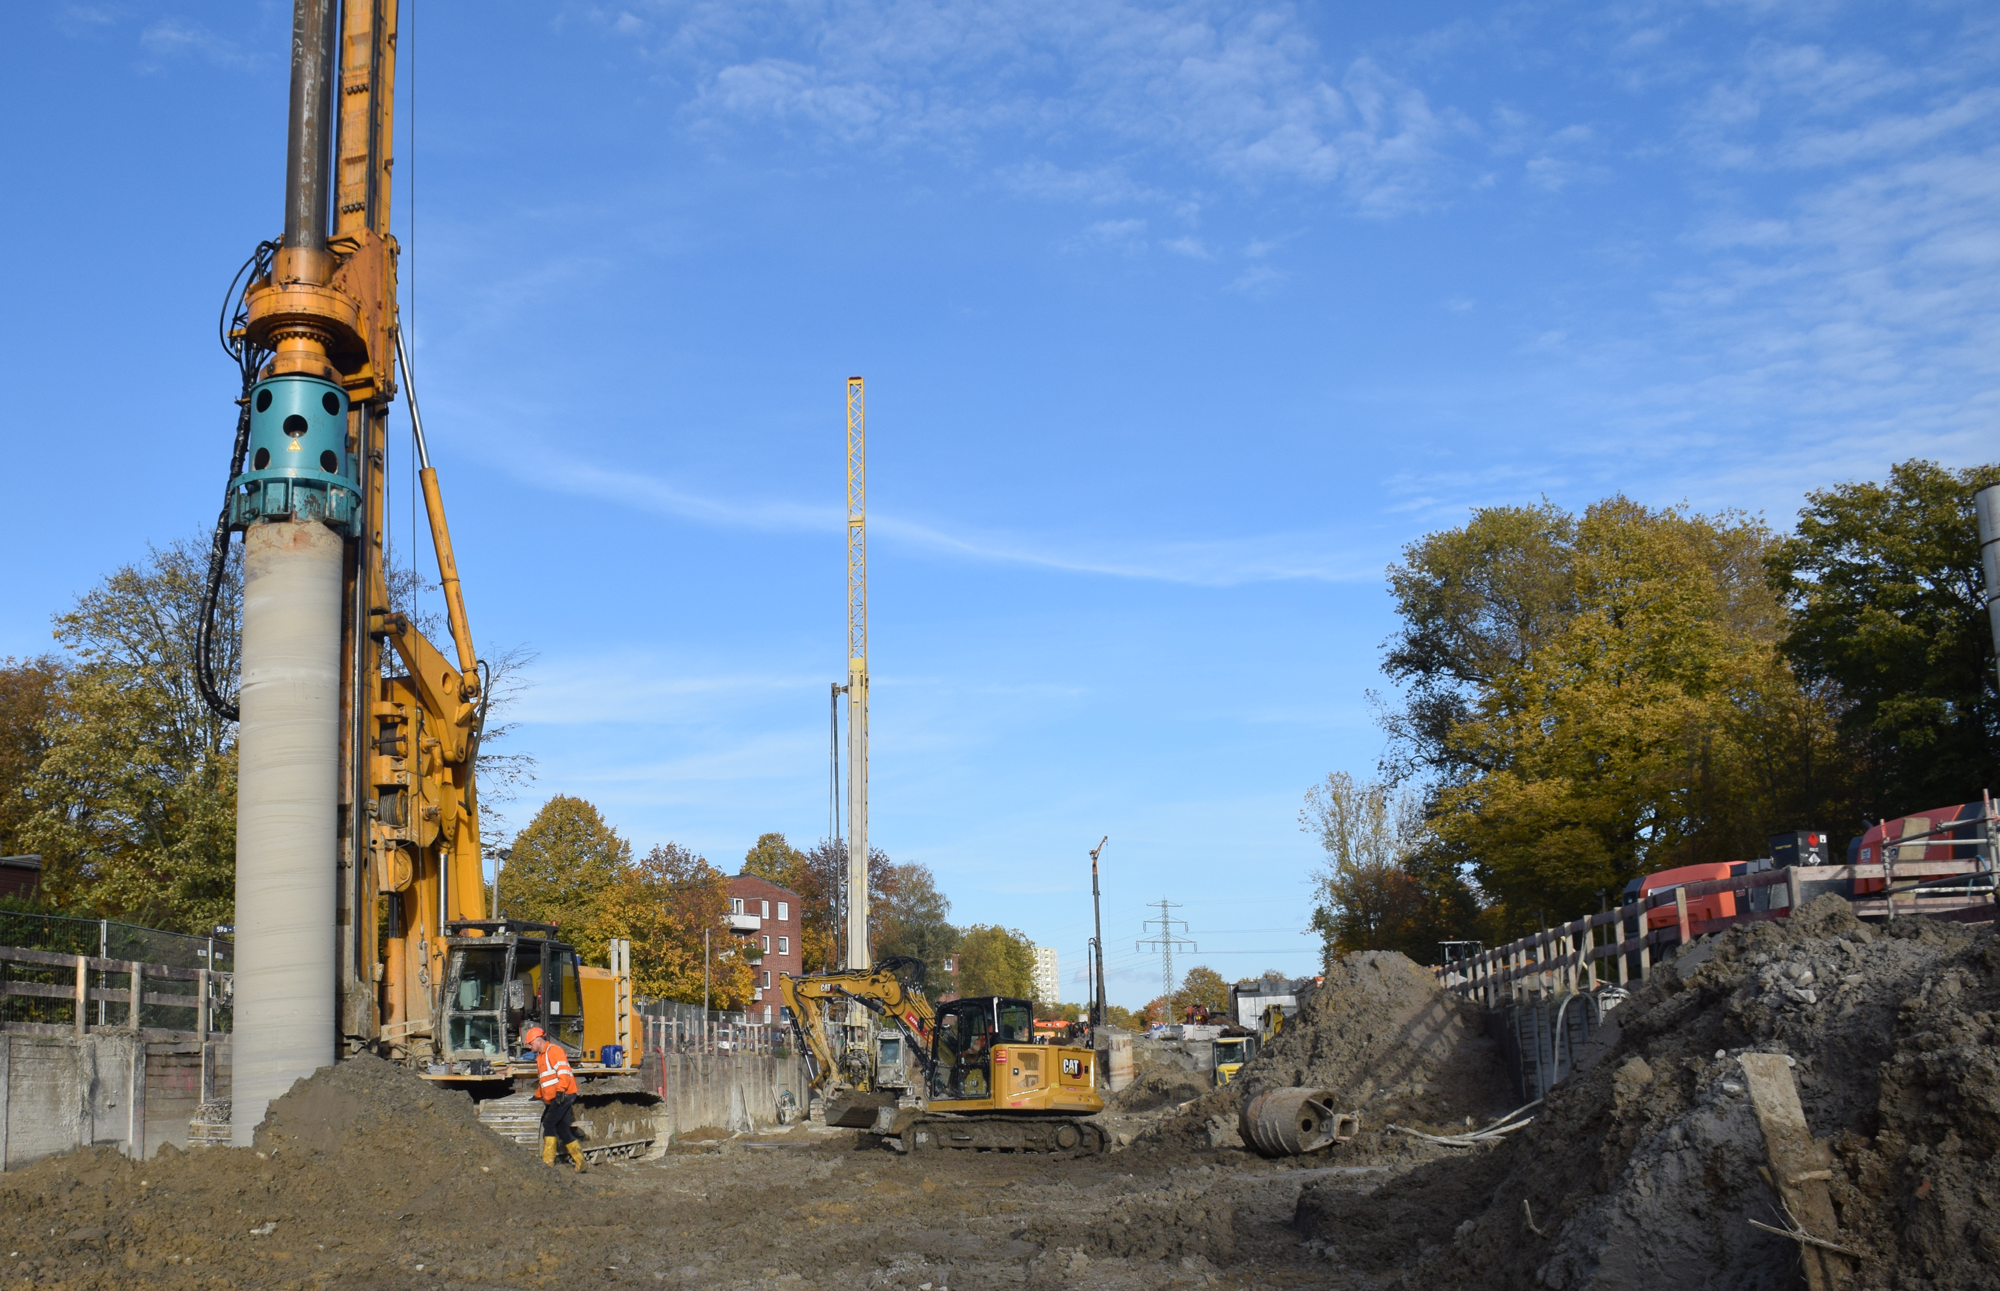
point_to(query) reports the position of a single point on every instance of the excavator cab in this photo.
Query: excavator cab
(509, 977)
(967, 1031)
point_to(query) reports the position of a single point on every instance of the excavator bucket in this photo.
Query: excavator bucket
(855, 1109)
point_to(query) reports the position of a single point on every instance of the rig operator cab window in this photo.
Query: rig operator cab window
(967, 1030)
(501, 983)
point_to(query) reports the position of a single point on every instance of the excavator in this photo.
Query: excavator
(967, 1075)
(367, 932)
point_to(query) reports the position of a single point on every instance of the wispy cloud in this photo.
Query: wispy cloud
(171, 38)
(1216, 562)
(1246, 93)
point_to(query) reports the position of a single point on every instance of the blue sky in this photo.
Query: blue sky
(1178, 322)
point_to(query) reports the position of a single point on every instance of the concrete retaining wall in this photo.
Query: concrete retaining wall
(64, 1092)
(722, 1091)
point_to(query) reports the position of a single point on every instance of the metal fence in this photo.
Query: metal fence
(108, 939)
(673, 1027)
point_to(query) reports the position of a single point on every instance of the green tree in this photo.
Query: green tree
(134, 797)
(996, 961)
(1475, 602)
(1380, 887)
(911, 920)
(1630, 715)
(1887, 603)
(663, 904)
(1118, 1015)
(561, 868)
(1202, 987)
(29, 692)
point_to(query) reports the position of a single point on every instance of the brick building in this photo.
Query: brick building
(766, 918)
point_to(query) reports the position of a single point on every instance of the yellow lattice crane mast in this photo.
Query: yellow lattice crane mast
(857, 680)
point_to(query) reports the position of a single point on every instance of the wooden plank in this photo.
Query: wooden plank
(52, 959)
(82, 994)
(162, 1034)
(1799, 1165)
(135, 1100)
(1681, 912)
(50, 991)
(6, 1093)
(138, 972)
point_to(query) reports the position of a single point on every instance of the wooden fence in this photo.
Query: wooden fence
(202, 1002)
(1569, 957)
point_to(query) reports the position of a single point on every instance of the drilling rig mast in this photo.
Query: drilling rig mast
(357, 814)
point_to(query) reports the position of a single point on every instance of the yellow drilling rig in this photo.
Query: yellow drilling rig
(360, 897)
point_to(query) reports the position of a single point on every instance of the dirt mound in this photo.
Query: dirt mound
(1389, 1042)
(1161, 1087)
(1644, 1169)
(361, 1166)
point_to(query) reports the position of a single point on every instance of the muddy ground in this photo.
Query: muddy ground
(365, 1176)
(800, 1209)
(1642, 1170)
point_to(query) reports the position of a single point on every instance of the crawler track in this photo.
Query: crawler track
(1062, 1136)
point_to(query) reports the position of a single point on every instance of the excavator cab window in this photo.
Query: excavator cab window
(524, 989)
(964, 1045)
(1015, 1021)
(476, 991)
(566, 1002)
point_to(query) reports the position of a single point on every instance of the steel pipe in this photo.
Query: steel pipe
(1291, 1122)
(309, 132)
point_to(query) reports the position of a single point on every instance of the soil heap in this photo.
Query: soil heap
(1388, 1041)
(361, 1161)
(1643, 1170)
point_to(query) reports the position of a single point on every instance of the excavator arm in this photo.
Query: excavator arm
(892, 989)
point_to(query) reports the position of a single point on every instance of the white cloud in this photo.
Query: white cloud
(1217, 563)
(1247, 93)
(179, 38)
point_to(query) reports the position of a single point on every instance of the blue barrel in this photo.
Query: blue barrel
(612, 1055)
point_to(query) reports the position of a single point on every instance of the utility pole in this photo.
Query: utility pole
(1986, 510)
(1166, 943)
(857, 680)
(1097, 942)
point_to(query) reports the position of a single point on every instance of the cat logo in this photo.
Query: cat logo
(1072, 1066)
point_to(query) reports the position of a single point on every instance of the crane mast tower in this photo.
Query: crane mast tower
(857, 679)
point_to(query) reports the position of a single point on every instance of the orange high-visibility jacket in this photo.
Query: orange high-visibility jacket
(553, 1075)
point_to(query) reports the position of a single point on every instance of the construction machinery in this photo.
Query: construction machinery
(359, 883)
(966, 1075)
(1231, 1052)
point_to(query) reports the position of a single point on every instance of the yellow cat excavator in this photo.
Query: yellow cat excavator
(966, 1075)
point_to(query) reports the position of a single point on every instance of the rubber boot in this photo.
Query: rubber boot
(576, 1155)
(549, 1150)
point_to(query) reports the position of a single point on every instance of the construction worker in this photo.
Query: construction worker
(555, 1085)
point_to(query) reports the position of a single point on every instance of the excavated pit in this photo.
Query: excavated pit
(1641, 1170)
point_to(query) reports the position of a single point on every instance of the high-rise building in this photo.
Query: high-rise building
(1048, 982)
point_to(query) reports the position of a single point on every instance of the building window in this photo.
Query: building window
(784, 945)
(736, 905)
(767, 945)
(784, 911)
(767, 1015)
(767, 979)
(767, 908)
